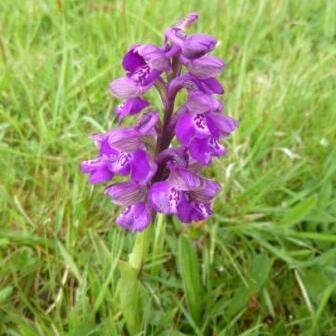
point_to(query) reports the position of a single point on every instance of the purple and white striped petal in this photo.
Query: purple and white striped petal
(176, 156)
(206, 192)
(184, 179)
(126, 193)
(125, 88)
(121, 165)
(97, 170)
(135, 217)
(206, 67)
(145, 78)
(106, 150)
(202, 150)
(145, 55)
(164, 197)
(153, 56)
(184, 129)
(200, 126)
(190, 126)
(143, 168)
(192, 84)
(220, 125)
(130, 107)
(147, 122)
(197, 45)
(124, 139)
(188, 211)
(200, 103)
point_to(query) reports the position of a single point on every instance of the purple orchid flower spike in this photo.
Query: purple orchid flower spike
(161, 159)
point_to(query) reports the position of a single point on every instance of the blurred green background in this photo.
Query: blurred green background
(267, 257)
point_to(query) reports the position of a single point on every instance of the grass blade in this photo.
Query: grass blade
(190, 273)
(299, 212)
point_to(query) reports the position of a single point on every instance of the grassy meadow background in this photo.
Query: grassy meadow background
(268, 255)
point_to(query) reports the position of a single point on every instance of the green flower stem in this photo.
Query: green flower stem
(130, 291)
(140, 249)
(159, 235)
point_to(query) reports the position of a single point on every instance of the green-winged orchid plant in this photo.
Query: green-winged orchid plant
(162, 157)
(162, 177)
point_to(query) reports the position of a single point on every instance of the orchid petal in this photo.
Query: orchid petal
(202, 150)
(163, 197)
(184, 129)
(124, 139)
(188, 211)
(206, 67)
(98, 171)
(125, 88)
(147, 122)
(143, 167)
(206, 192)
(125, 193)
(184, 179)
(220, 124)
(197, 45)
(130, 107)
(135, 217)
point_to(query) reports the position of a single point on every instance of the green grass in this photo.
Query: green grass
(267, 257)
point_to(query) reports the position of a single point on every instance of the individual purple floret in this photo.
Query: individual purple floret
(162, 159)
